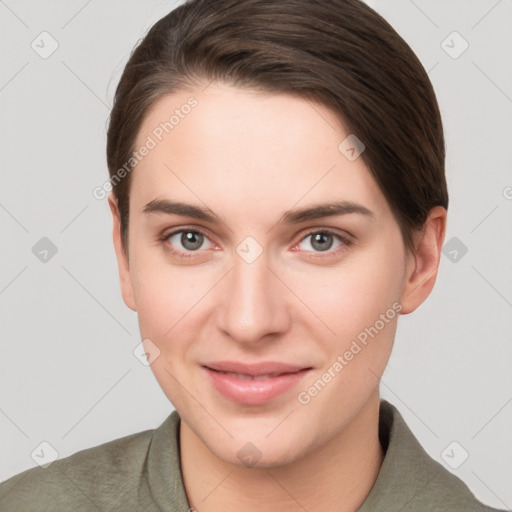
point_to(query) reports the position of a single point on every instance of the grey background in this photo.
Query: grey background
(67, 372)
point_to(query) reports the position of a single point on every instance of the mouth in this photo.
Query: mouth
(253, 384)
(242, 376)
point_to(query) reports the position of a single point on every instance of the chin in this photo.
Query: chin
(260, 453)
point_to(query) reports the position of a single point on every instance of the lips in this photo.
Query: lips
(256, 383)
(254, 369)
(251, 377)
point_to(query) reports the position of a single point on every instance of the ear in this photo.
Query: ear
(122, 258)
(423, 262)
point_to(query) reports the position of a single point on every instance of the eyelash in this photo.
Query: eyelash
(345, 242)
(168, 247)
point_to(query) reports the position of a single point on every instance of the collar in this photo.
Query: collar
(408, 478)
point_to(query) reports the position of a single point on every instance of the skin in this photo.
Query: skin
(249, 157)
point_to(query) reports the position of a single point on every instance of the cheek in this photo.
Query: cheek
(163, 294)
(359, 302)
(353, 295)
(169, 309)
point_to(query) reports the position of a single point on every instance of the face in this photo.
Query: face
(266, 268)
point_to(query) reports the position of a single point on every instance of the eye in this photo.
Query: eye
(322, 241)
(187, 240)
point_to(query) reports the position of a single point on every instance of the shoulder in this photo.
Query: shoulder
(443, 491)
(98, 478)
(410, 479)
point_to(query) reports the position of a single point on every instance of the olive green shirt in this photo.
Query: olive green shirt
(141, 472)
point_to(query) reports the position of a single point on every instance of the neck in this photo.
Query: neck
(336, 476)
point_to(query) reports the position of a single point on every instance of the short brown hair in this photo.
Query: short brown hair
(339, 53)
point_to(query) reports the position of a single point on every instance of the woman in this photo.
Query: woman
(279, 199)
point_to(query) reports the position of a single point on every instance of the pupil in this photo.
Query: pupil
(191, 240)
(319, 241)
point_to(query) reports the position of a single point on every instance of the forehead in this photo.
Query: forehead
(242, 148)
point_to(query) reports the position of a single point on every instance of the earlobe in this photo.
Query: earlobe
(423, 264)
(122, 258)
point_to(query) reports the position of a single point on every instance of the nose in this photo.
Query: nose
(253, 302)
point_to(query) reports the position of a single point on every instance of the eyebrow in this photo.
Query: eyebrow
(185, 210)
(324, 210)
(295, 216)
